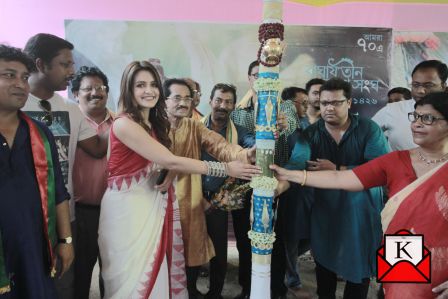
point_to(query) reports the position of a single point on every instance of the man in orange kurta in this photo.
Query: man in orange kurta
(189, 137)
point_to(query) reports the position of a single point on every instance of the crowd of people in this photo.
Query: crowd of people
(146, 191)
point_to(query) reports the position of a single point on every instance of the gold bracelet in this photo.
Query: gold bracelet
(304, 178)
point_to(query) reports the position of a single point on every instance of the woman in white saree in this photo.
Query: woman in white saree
(140, 237)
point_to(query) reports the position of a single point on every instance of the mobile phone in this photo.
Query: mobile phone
(162, 176)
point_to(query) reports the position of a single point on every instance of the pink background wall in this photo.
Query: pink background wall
(20, 19)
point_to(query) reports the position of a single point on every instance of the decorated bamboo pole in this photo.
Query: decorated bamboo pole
(267, 86)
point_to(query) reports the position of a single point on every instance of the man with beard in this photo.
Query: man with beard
(427, 77)
(312, 89)
(222, 103)
(345, 226)
(90, 88)
(53, 59)
(189, 138)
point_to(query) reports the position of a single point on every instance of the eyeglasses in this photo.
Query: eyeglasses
(178, 99)
(427, 86)
(255, 75)
(426, 119)
(47, 118)
(226, 102)
(332, 103)
(101, 88)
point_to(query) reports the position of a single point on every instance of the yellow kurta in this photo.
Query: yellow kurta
(195, 114)
(188, 140)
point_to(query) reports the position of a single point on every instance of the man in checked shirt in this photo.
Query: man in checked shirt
(244, 115)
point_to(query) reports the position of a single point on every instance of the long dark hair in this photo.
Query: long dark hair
(157, 115)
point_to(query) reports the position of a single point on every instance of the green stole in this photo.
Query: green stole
(43, 166)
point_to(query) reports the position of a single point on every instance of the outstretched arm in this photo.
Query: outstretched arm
(218, 147)
(137, 139)
(345, 179)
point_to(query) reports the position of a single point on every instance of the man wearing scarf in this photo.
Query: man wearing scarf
(34, 213)
(189, 138)
(222, 103)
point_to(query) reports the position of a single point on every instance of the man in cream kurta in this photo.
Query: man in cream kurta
(189, 137)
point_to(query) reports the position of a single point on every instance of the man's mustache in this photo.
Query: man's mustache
(221, 110)
(97, 97)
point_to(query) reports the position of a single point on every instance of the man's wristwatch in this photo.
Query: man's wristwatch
(67, 240)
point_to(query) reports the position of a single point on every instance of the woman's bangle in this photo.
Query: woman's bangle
(304, 178)
(216, 169)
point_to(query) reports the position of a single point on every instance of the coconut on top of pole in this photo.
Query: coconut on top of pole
(267, 86)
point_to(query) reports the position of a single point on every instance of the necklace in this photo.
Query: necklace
(429, 161)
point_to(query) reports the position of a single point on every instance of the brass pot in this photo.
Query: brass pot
(271, 52)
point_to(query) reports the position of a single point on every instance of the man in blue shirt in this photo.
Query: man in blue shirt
(34, 212)
(345, 226)
(222, 103)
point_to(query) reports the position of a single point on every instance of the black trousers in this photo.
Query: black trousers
(327, 281)
(278, 258)
(86, 249)
(217, 229)
(192, 278)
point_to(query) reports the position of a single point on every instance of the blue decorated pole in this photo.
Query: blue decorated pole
(267, 87)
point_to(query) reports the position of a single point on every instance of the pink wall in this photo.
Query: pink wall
(20, 19)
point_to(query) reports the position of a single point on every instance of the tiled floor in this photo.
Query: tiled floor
(231, 287)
